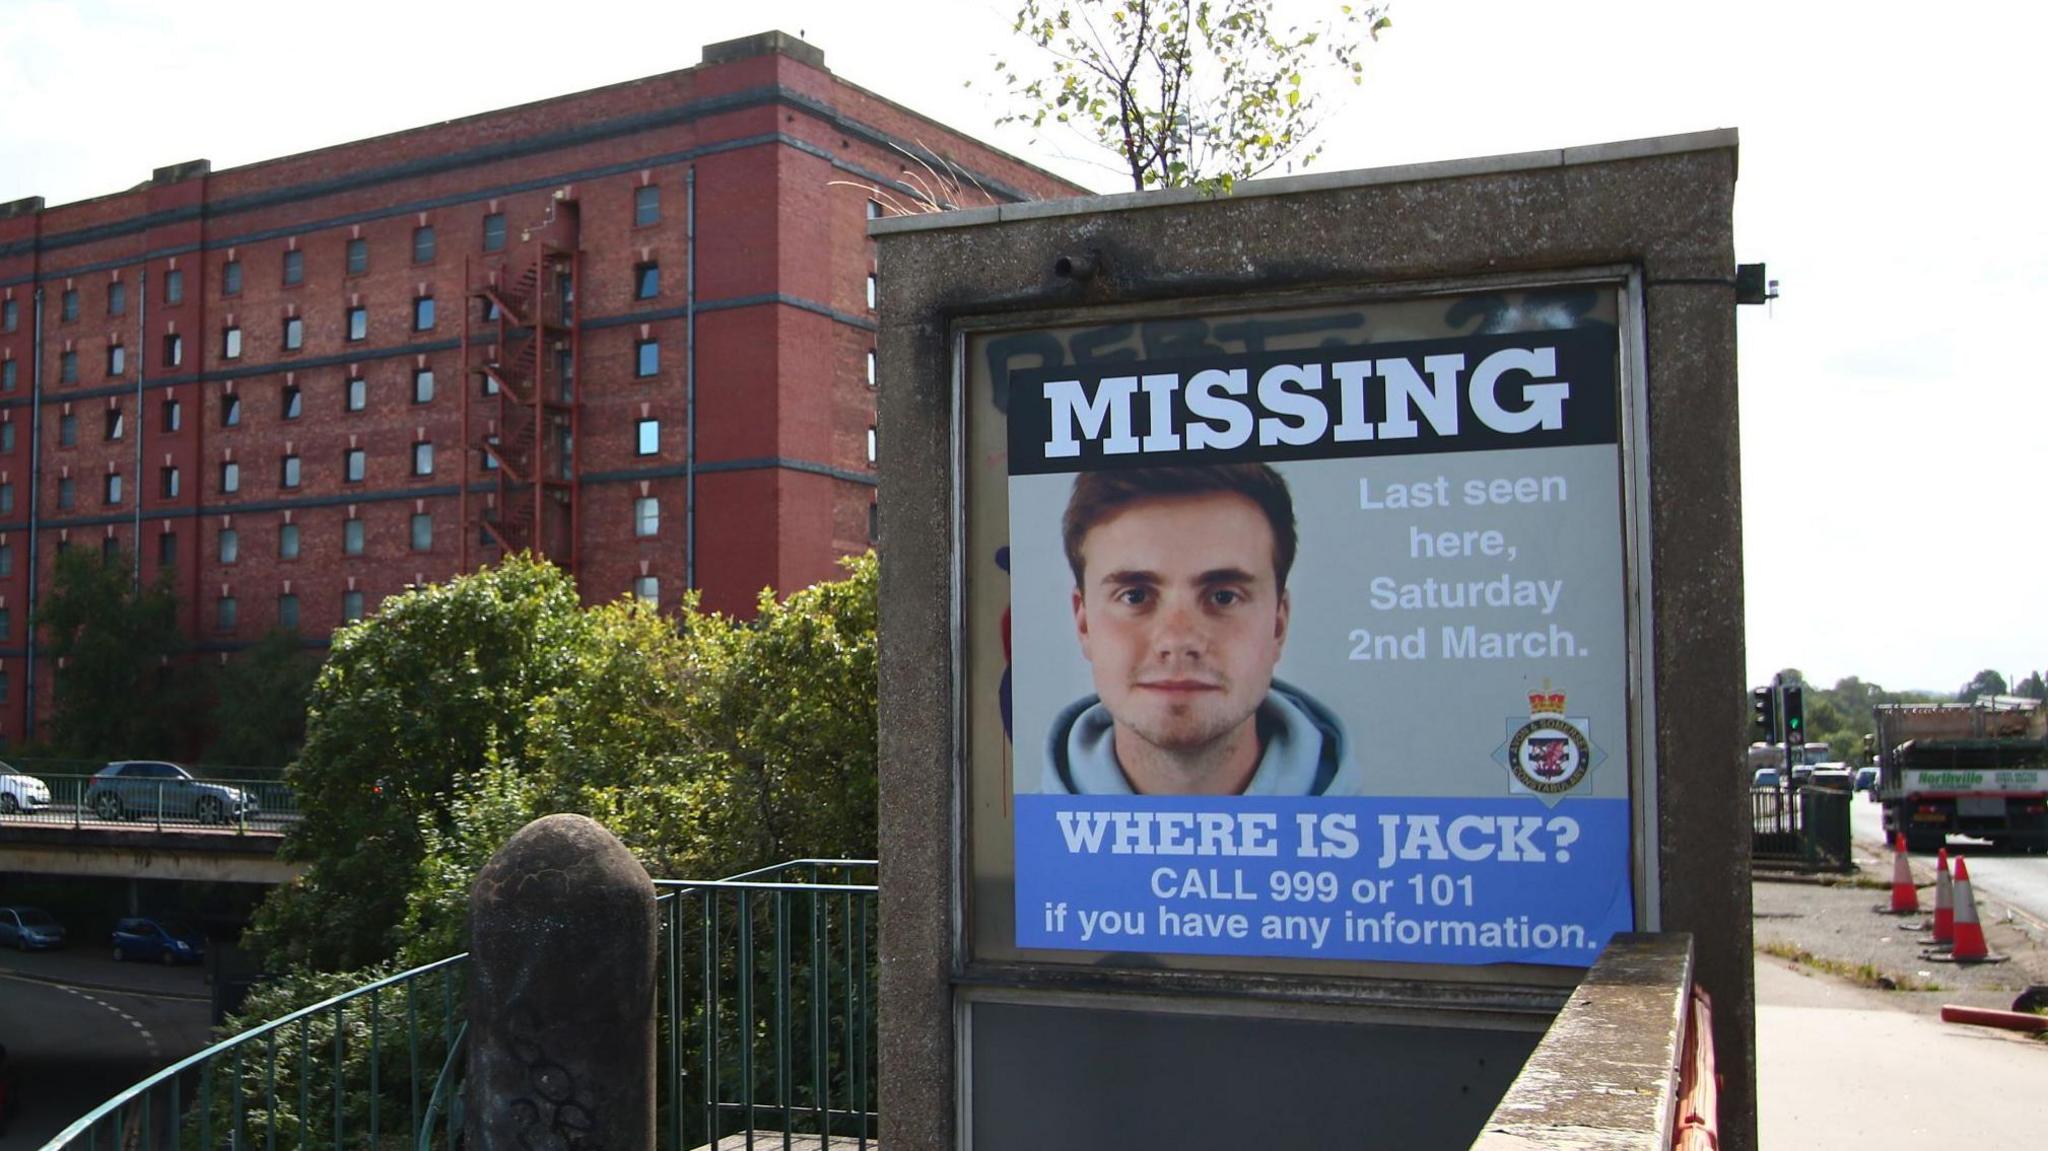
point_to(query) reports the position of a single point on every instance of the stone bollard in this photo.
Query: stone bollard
(561, 998)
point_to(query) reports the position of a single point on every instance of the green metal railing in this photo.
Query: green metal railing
(765, 1031)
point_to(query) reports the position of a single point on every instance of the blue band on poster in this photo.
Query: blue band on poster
(1425, 880)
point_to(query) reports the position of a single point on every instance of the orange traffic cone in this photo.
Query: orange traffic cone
(1944, 901)
(1905, 901)
(1969, 934)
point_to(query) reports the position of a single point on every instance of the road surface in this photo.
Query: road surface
(71, 1046)
(2008, 880)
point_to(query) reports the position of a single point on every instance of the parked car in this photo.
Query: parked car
(128, 789)
(20, 791)
(1766, 779)
(164, 940)
(30, 929)
(1866, 779)
(1834, 777)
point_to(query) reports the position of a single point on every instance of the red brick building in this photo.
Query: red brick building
(303, 384)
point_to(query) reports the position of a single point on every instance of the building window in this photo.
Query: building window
(67, 493)
(67, 431)
(231, 344)
(6, 632)
(10, 315)
(294, 333)
(423, 314)
(422, 385)
(288, 612)
(230, 477)
(423, 459)
(647, 438)
(646, 517)
(288, 472)
(423, 244)
(494, 232)
(358, 324)
(117, 359)
(174, 350)
(116, 426)
(67, 368)
(423, 532)
(647, 358)
(167, 549)
(117, 299)
(352, 537)
(871, 444)
(8, 380)
(874, 291)
(6, 559)
(7, 438)
(565, 371)
(167, 483)
(646, 281)
(288, 542)
(6, 499)
(358, 394)
(358, 260)
(230, 545)
(647, 589)
(871, 367)
(224, 613)
(231, 278)
(646, 206)
(230, 410)
(293, 401)
(174, 287)
(352, 463)
(110, 549)
(490, 454)
(351, 606)
(874, 209)
(68, 308)
(113, 488)
(294, 266)
(489, 384)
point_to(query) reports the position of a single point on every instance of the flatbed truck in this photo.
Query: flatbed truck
(1977, 769)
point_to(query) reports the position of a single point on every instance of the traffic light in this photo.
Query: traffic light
(1763, 711)
(1795, 715)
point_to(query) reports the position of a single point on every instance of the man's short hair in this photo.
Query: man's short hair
(1100, 495)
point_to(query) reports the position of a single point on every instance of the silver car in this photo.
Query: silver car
(21, 792)
(129, 788)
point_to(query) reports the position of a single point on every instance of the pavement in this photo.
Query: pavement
(1851, 1051)
(94, 969)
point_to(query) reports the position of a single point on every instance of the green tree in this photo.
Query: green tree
(1201, 92)
(2032, 687)
(1986, 682)
(428, 692)
(115, 648)
(445, 723)
(259, 711)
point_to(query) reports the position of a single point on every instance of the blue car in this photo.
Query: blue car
(165, 941)
(29, 928)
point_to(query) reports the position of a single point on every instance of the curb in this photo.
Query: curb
(107, 988)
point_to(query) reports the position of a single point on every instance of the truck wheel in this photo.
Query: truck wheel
(1925, 842)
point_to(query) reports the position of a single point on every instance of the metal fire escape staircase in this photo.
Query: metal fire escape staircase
(520, 354)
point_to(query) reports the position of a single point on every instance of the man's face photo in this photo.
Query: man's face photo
(1181, 617)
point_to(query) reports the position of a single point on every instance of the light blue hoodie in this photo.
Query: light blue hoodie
(1306, 750)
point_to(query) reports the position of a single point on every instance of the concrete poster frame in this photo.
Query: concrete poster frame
(1652, 216)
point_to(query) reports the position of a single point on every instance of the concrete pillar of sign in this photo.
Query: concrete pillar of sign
(561, 1003)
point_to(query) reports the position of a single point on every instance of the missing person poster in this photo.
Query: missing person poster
(1322, 653)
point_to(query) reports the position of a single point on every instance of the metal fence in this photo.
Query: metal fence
(766, 1028)
(90, 800)
(1804, 827)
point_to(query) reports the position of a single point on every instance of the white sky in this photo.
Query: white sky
(1891, 177)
